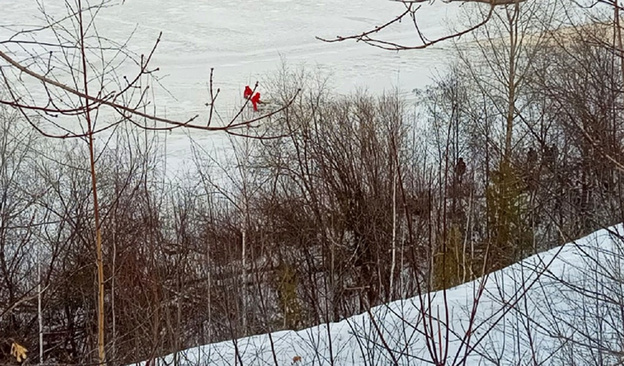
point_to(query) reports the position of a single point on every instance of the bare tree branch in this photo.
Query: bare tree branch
(371, 37)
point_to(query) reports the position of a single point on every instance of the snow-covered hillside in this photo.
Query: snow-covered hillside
(561, 307)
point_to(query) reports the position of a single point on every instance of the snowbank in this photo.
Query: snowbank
(562, 306)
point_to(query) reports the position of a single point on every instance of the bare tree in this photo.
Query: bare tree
(77, 79)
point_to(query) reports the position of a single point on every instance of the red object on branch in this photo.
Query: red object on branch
(255, 100)
(248, 92)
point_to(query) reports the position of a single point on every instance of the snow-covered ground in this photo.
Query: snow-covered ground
(247, 41)
(561, 307)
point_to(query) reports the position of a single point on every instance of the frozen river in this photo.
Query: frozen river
(248, 40)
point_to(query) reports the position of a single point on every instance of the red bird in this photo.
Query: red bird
(255, 100)
(248, 92)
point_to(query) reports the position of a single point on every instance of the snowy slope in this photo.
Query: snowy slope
(561, 307)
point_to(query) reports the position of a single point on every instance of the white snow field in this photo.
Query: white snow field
(560, 307)
(247, 41)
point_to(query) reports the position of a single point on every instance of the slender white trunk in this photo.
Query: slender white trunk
(209, 299)
(113, 315)
(466, 238)
(618, 33)
(394, 229)
(243, 163)
(244, 287)
(39, 310)
(401, 281)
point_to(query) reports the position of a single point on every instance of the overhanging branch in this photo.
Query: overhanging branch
(411, 7)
